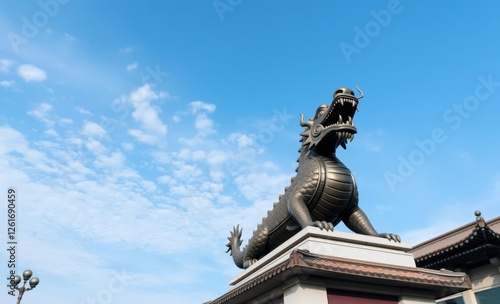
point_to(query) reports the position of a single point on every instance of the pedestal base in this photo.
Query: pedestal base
(319, 267)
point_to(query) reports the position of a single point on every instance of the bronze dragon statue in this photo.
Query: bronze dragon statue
(323, 192)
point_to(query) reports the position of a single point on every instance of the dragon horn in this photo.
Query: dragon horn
(305, 124)
(361, 92)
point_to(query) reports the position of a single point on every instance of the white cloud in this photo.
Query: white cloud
(186, 171)
(143, 137)
(132, 67)
(115, 160)
(93, 129)
(51, 132)
(143, 95)
(15, 138)
(7, 83)
(165, 179)
(217, 157)
(153, 130)
(197, 106)
(42, 113)
(81, 110)
(94, 146)
(161, 157)
(31, 73)
(5, 65)
(203, 124)
(190, 154)
(243, 140)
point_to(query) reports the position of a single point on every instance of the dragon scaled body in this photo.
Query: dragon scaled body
(323, 192)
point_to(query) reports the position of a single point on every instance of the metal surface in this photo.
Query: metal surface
(323, 192)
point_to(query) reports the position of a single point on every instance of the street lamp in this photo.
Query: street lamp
(26, 276)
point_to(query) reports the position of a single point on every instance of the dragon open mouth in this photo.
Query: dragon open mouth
(340, 116)
(338, 120)
(332, 125)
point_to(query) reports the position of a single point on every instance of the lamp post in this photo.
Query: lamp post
(26, 276)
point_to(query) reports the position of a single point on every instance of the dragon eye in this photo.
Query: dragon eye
(320, 113)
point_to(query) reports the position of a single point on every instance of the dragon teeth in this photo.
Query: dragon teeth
(340, 119)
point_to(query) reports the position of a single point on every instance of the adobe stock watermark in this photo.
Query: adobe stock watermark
(223, 6)
(363, 36)
(12, 240)
(107, 294)
(454, 117)
(31, 26)
(153, 77)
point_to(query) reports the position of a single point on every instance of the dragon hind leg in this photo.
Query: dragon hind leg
(256, 246)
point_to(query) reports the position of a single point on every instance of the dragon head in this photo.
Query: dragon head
(332, 125)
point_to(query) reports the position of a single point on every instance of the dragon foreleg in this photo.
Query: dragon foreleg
(358, 222)
(299, 211)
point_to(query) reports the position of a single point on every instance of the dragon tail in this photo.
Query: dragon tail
(234, 246)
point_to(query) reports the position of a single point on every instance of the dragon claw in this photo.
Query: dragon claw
(323, 225)
(249, 263)
(390, 236)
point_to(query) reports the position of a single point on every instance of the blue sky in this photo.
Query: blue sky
(137, 134)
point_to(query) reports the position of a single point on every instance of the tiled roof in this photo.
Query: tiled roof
(327, 267)
(253, 283)
(460, 247)
(390, 274)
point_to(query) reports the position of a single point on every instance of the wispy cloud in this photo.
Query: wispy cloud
(132, 67)
(5, 65)
(7, 83)
(69, 37)
(126, 50)
(83, 111)
(200, 106)
(42, 113)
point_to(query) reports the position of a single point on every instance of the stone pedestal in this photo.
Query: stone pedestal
(320, 267)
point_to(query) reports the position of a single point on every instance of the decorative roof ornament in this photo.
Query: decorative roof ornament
(479, 219)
